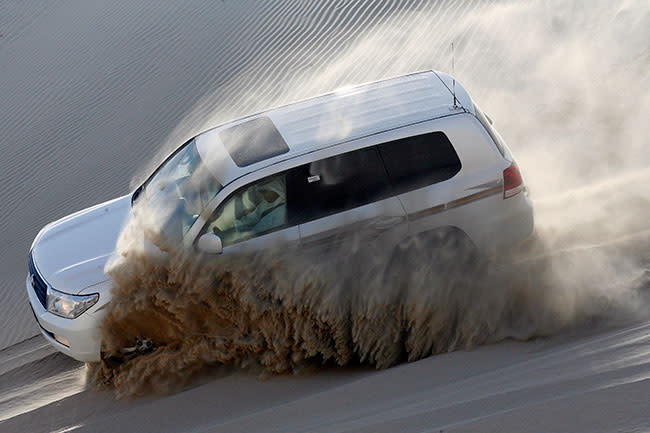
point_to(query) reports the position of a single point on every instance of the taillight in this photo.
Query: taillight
(512, 182)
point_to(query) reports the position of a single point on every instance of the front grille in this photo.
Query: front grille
(38, 284)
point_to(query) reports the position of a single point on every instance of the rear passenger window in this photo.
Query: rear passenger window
(336, 184)
(415, 162)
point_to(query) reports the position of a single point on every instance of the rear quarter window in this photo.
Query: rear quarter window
(418, 161)
(487, 124)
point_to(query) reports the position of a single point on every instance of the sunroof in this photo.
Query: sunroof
(253, 141)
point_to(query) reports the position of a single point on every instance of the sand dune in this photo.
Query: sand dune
(592, 381)
(93, 94)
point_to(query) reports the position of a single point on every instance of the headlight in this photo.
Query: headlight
(69, 306)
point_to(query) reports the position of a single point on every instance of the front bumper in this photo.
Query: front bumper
(82, 334)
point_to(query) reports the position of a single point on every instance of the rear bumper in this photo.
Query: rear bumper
(82, 334)
(518, 224)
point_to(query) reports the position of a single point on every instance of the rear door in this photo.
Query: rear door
(346, 198)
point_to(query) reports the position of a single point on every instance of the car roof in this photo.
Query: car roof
(346, 114)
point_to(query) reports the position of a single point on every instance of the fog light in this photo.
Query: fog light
(62, 340)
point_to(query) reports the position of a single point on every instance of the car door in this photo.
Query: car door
(347, 198)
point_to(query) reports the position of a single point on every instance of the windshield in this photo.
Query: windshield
(180, 189)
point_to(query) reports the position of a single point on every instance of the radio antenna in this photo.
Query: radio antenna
(453, 76)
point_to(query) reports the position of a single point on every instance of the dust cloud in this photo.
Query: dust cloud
(567, 84)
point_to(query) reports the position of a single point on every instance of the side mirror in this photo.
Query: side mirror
(210, 243)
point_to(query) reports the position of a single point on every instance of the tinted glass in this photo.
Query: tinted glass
(415, 162)
(336, 184)
(253, 141)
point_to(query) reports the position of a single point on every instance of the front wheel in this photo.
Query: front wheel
(142, 346)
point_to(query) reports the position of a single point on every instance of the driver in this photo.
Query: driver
(257, 209)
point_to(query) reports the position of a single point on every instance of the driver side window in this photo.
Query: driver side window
(252, 211)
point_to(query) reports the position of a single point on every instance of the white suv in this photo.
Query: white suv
(403, 158)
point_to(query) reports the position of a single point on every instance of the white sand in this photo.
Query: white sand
(583, 382)
(92, 94)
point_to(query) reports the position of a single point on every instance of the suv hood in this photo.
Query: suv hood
(70, 253)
